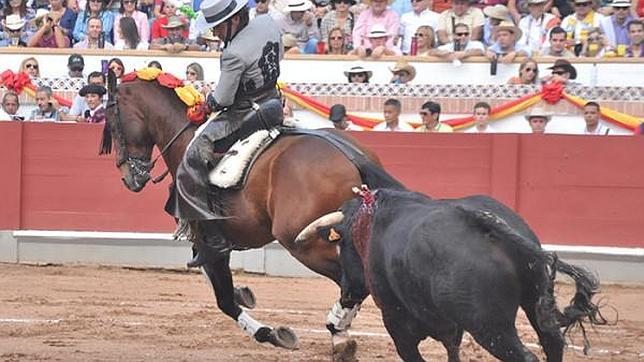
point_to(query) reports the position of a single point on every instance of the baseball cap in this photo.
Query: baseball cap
(75, 62)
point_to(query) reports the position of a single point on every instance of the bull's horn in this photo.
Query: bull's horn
(326, 220)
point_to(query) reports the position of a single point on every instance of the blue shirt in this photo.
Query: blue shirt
(401, 6)
(80, 29)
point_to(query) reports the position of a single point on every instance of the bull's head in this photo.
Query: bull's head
(336, 228)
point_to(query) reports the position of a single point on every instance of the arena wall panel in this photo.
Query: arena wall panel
(573, 190)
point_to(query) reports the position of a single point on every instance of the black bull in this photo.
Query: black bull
(438, 267)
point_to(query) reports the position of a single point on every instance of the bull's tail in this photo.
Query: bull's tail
(545, 266)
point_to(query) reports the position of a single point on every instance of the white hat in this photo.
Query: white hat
(620, 4)
(40, 13)
(538, 112)
(358, 69)
(298, 5)
(14, 22)
(215, 12)
(377, 31)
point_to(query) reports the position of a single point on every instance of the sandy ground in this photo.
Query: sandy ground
(92, 313)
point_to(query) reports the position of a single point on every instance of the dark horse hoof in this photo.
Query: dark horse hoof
(279, 337)
(245, 297)
(344, 348)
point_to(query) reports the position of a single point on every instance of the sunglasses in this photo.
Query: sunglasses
(530, 69)
(357, 75)
(416, 1)
(348, 2)
(95, 1)
(584, 4)
(190, 73)
(116, 68)
(128, 2)
(336, 38)
(420, 35)
(559, 72)
(34, 66)
(461, 34)
(424, 113)
(261, 1)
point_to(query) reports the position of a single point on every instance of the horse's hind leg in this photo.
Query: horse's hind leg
(221, 279)
(502, 341)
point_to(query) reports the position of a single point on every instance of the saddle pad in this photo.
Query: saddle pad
(233, 168)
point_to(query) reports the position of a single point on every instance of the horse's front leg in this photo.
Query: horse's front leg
(221, 279)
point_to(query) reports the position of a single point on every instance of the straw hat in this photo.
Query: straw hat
(563, 63)
(498, 11)
(14, 22)
(377, 31)
(620, 4)
(289, 40)
(509, 26)
(208, 35)
(538, 112)
(41, 13)
(174, 22)
(214, 12)
(402, 65)
(358, 69)
(298, 5)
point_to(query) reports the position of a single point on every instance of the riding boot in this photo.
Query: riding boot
(211, 247)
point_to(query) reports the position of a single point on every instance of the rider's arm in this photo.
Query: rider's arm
(232, 68)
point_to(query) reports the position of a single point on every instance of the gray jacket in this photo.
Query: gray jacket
(250, 64)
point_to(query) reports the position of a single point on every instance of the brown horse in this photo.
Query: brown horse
(295, 181)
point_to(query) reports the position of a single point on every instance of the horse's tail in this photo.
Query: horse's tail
(581, 307)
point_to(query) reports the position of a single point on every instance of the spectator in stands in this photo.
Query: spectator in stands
(636, 35)
(562, 71)
(379, 44)
(93, 94)
(403, 73)
(537, 119)
(19, 8)
(10, 107)
(338, 17)
(596, 45)
(31, 67)
(75, 66)
(494, 16)
(591, 117)
(536, 25)
(336, 42)
(175, 42)
(358, 74)
(96, 8)
(129, 37)
(392, 123)
(155, 64)
(49, 34)
(528, 73)
(47, 106)
(13, 34)
(338, 115)
(425, 41)
(79, 104)
(578, 24)
(615, 26)
(194, 72)
(506, 48)
(66, 15)
(116, 66)
(95, 37)
(293, 21)
(261, 8)
(289, 42)
(376, 13)
(128, 9)
(157, 30)
(461, 12)
(482, 112)
(209, 42)
(430, 113)
(461, 47)
(557, 46)
(319, 10)
(411, 21)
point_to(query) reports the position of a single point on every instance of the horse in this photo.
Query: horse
(293, 182)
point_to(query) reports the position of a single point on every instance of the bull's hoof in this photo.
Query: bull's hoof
(245, 297)
(344, 347)
(279, 337)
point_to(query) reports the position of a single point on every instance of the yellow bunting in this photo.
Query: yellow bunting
(189, 95)
(150, 73)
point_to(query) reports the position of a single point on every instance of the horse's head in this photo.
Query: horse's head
(126, 126)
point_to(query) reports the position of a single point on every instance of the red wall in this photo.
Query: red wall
(574, 190)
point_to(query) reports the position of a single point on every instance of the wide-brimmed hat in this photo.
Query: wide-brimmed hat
(358, 69)
(498, 11)
(509, 26)
(174, 22)
(537, 1)
(289, 40)
(377, 31)
(92, 89)
(538, 112)
(563, 63)
(14, 22)
(297, 5)
(402, 65)
(208, 35)
(41, 13)
(621, 4)
(214, 12)
(337, 113)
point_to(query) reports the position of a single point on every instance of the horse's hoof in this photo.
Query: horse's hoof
(279, 337)
(344, 348)
(245, 297)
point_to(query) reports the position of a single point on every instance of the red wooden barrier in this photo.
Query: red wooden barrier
(573, 190)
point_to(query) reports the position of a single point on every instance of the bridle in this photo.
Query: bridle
(140, 167)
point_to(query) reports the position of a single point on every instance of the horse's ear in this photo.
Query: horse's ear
(111, 85)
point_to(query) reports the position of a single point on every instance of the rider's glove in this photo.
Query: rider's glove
(212, 104)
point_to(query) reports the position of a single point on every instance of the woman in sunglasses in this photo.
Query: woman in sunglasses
(128, 9)
(30, 66)
(194, 72)
(426, 40)
(338, 17)
(98, 9)
(336, 42)
(528, 73)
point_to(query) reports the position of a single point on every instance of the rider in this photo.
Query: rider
(249, 67)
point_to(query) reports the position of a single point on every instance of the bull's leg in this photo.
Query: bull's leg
(338, 322)
(404, 331)
(221, 280)
(502, 341)
(546, 326)
(452, 343)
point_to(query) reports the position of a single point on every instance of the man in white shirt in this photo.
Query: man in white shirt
(409, 22)
(537, 25)
(591, 117)
(392, 122)
(482, 112)
(95, 38)
(462, 47)
(578, 24)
